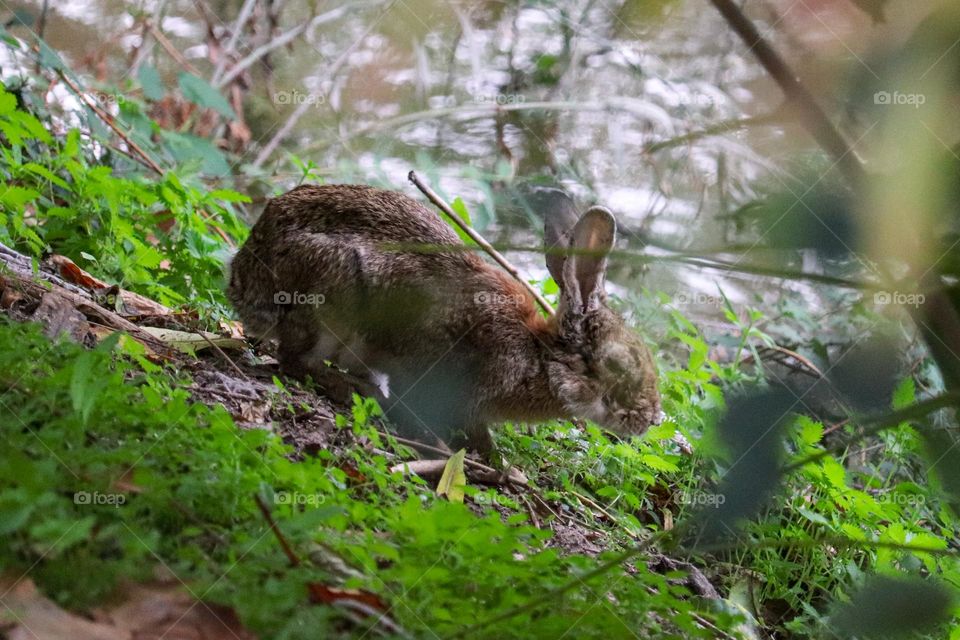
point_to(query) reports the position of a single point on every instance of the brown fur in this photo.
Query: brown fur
(461, 342)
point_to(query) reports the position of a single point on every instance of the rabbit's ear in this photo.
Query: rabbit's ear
(593, 237)
(560, 217)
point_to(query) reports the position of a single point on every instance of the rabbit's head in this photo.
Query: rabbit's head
(602, 371)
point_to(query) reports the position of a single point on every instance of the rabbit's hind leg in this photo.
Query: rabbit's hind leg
(475, 437)
(309, 350)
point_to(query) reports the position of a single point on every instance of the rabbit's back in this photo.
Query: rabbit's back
(353, 210)
(348, 243)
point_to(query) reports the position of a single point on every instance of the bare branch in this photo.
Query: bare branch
(231, 47)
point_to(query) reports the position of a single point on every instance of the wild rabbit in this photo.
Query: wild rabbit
(377, 284)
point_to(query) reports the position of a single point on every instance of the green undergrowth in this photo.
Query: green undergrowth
(166, 237)
(109, 472)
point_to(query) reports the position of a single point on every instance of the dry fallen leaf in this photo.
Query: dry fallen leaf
(325, 594)
(193, 342)
(70, 272)
(147, 611)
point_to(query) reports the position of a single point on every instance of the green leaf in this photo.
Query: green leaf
(905, 394)
(453, 479)
(8, 103)
(44, 172)
(15, 197)
(198, 91)
(461, 210)
(812, 516)
(50, 59)
(228, 195)
(83, 393)
(187, 148)
(550, 286)
(658, 463)
(151, 82)
(14, 513)
(811, 432)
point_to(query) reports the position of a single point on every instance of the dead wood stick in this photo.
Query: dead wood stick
(91, 310)
(489, 474)
(476, 237)
(211, 343)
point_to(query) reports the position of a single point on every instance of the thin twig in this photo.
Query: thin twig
(42, 20)
(437, 450)
(203, 334)
(231, 47)
(486, 110)
(284, 545)
(609, 516)
(172, 50)
(481, 242)
(720, 128)
(110, 122)
(645, 258)
(819, 543)
(280, 41)
(318, 595)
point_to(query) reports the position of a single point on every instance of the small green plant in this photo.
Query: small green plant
(167, 237)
